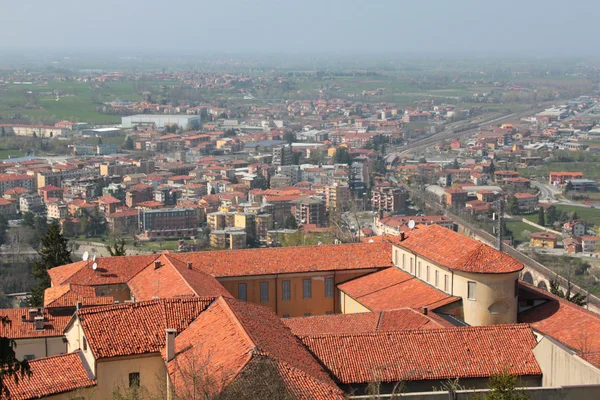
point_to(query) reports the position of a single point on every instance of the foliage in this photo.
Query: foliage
(129, 143)
(541, 219)
(230, 133)
(576, 298)
(259, 182)
(11, 367)
(290, 222)
(92, 224)
(503, 387)
(117, 249)
(3, 229)
(53, 253)
(28, 219)
(513, 205)
(342, 156)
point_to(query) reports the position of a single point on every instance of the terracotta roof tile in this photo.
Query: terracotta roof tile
(51, 376)
(401, 319)
(68, 295)
(466, 352)
(230, 335)
(137, 328)
(391, 289)
(455, 251)
(20, 328)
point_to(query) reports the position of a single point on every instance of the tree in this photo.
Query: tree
(290, 222)
(455, 164)
(513, 205)
(342, 156)
(576, 298)
(53, 253)
(99, 141)
(29, 219)
(541, 219)
(3, 229)
(259, 182)
(230, 133)
(117, 249)
(568, 187)
(289, 137)
(11, 366)
(492, 168)
(129, 143)
(503, 387)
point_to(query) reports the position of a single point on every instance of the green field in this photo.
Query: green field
(588, 214)
(517, 228)
(4, 154)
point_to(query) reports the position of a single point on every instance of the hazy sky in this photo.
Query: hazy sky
(535, 27)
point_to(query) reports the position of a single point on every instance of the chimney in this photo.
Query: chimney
(402, 236)
(189, 265)
(170, 343)
(32, 313)
(78, 305)
(39, 323)
(157, 264)
(425, 311)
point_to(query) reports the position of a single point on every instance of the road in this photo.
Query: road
(548, 195)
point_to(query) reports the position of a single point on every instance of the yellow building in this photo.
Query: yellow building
(543, 239)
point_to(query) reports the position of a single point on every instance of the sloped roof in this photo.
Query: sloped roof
(231, 334)
(137, 328)
(466, 352)
(455, 251)
(401, 319)
(20, 328)
(391, 289)
(69, 295)
(51, 376)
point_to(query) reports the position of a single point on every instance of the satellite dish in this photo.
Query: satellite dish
(319, 244)
(86, 255)
(411, 224)
(94, 258)
(371, 241)
(95, 266)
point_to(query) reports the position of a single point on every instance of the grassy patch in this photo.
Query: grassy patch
(518, 228)
(10, 154)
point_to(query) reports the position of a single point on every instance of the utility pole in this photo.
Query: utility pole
(500, 228)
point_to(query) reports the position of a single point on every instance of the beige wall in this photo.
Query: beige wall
(297, 306)
(495, 301)
(74, 335)
(114, 373)
(119, 292)
(350, 306)
(40, 347)
(561, 366)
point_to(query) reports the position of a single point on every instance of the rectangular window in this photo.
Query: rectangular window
(437, 278)
(328, 287)
(307, 314)
(84, 344)
(446, 283)
(29, 357)
(134, 379)
(403, 261)
(242, 295)
(396, 257)
(411, 265)
(285, 290)
(264, 292)
(427, 274)
(328, 312)
(472, 287)
(419, 269)
(307, 289)
(286, 315)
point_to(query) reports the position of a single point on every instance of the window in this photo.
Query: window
(286, 315)
(396, 257)
(419, 269)
(403, 261)
(84, 344)
(472, 286)
(307, 288)
(411, 265)
(29, 357)
(446, 283)
(242, 294)
(307, 314)
(427, 274)
(285, 290)
(134, 379)
(328, 312)
(328, 287)
(264, 292)
(437, 278)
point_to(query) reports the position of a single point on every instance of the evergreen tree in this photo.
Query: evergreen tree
(342, 156)
(569, 187)
(290, 222)
(513, 205)
(29, 219)
(117, 249)
(541, 218)
(99, 141)
(129, 143)
(53, 253)
(3, 229)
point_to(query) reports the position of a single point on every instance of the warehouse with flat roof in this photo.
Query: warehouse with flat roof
(160, 121)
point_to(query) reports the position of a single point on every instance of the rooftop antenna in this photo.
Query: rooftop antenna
(86, 255)
(411, 224)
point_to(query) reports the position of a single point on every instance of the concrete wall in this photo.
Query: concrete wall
(75, 339)
(350, 306)
(495, 301)
(591, 392)
(114, 373)
(40, 347)
(561, 366)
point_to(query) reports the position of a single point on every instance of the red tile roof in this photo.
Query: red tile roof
(68, 295)
(455, 251)
(51, 376)
(466, 352)
(564, 321)
(20, 328)
(172, 279)
(137, 328)
(391, 289)
(231, 335)
(401, 319)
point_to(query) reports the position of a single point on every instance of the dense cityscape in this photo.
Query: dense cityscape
(285, 226)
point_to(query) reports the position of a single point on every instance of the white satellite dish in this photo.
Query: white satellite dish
(86, 255)
(94, 258)
(411, 224)
(95, 266)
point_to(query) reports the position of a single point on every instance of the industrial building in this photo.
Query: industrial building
(160, 121)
